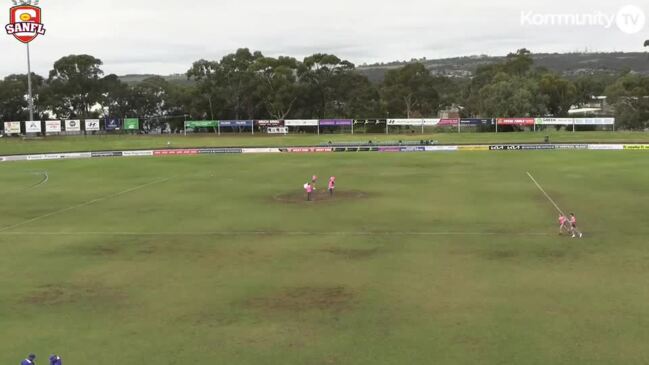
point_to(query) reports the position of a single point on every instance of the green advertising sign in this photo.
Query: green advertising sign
(131, 124)
(201, 124)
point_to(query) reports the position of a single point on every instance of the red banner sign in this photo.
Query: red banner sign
(516, 121)
(175, 152)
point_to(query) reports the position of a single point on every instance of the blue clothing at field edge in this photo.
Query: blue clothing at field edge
(55, 360)
(27, 362)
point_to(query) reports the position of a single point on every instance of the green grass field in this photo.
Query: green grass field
(98, 143)
(422, 259)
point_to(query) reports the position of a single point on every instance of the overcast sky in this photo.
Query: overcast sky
(166, 36)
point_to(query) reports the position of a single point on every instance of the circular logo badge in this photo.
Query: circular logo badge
(631, 19)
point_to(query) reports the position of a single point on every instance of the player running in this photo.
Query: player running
(573, 226)
(564, 224)
(29, 360)
(56, 360)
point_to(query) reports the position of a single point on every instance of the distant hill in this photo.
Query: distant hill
(175, 78)
(567, 64)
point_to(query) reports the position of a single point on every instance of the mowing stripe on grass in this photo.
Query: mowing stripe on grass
(544, 193)
(266, 233)
(90, 202)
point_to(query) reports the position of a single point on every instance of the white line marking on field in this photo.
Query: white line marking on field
(544, 193)
(264, 233)
(81, 205)
(46, 178)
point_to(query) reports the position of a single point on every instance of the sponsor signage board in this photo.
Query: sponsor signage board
(389, 149)
(192, 124)
(431, 122)
(53, 126)
(301, 123)
(473, 148)
(526, 147)
(33, 126)
(636, 147)
(476, 122)
(213, 151)
(440, 148)
(555, 121)
(106, 154)
(277, 130)
(405, 122)
(12, 127)
(92, 125)
(571, 146)
(415, 122)
(236, 123)
(594, 121)
(260, 150)
(270, 123)
(131, 124)
(335, 122)
(606, 147)
(178, 152)
(516, 121)
(113, 124)
(412, 149)
(448, 122)
(309, 149)
(137, 153)
(73, 125)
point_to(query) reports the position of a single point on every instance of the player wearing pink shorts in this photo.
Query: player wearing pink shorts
(332, 186)
(563, 224)
(573, 225)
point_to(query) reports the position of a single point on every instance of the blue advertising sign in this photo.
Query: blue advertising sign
(113, 124)
(236, 123)
(336, 122)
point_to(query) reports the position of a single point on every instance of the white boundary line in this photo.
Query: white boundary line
(265, 233)
(544, 193)
(4, 229)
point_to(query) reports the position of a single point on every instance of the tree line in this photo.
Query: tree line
(249, 85)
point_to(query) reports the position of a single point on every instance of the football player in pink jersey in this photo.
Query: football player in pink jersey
(564, 224)
(573, 225)
(332, 186)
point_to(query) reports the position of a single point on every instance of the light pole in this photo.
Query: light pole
(29, 85)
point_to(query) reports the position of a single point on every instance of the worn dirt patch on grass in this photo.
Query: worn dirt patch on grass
(501, 254)
(545, 254)
(60, 294)
(351, 253)
(320, 197)
(334, 299)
